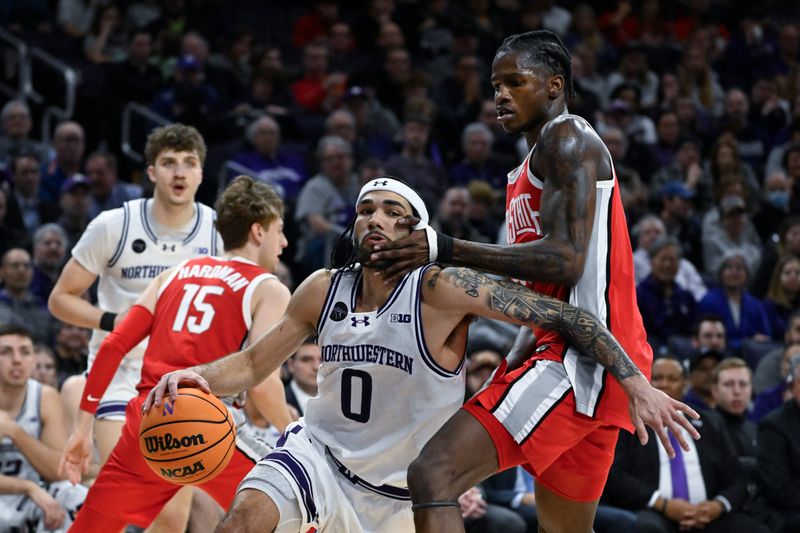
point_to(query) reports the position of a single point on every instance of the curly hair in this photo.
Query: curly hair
(178, 137)
(243, 203)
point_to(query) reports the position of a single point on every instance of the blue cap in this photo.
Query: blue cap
(677, 188)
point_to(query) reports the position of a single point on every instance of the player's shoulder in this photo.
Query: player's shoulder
(568, 126)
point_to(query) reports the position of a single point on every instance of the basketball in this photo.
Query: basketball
(188, 441)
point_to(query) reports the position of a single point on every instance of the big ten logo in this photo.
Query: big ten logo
(400, 318)
(169, 408)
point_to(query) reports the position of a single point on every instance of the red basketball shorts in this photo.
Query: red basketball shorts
(530, 415)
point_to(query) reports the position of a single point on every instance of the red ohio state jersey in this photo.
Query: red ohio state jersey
(606, 289)
(202, 314)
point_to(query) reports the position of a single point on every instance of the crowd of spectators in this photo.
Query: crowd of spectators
(698, 102)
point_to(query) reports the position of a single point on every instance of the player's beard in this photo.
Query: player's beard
(362, 256)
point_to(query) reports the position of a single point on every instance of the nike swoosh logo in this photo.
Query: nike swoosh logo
(92, 398)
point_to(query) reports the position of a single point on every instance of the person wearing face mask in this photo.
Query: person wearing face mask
(775, 204)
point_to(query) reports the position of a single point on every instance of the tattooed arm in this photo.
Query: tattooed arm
(570, 158)
(472, 292)
(457, 292)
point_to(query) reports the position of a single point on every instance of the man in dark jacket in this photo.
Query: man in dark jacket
(700, 489)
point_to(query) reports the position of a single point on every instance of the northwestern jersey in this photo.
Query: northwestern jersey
(122, 247)
(202, 313)
(381, 394)
(606, 289)
(12, 461)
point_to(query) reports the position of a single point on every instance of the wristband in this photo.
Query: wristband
(445, 245)
(107, 321)
(433, 247)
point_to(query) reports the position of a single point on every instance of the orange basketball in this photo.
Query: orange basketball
(188, 441)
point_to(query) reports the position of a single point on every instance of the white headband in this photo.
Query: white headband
(388, 184)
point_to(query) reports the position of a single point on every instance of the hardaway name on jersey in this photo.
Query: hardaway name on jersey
(202, 314)
(121, 247)
(606, 289)
(381, 394)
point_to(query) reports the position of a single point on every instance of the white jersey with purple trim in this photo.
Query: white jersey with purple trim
(381, 393)
(126, 248)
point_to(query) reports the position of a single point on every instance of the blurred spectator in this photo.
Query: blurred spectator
(768, 372)
(771, 399)
(46, 370)
(626, 22)
(732, 390)
(788, 243)
(668, 130)
(709, 335)
(725, 162)
(369, 170)
(779, 457)
(633, 191)
(685, 169)
(17, 304)
(483, 212)
(376, 126)
(303, 367)
(680, 222)
(647, 231)
(584, 39)
(76, 203)
(230, 71)
(26, 177)
(68, 141)
(16, 121)
(452, 216)
(752, 141)
(480, 365)
(783, 295)
(190, 99)
(344, 55)
(768, 112)
(701, 366)
(585, 72)
(11, 235)
(414, 166)
(325, 203)
(698, 80)
(775, 206)
(75, 16)
(743, 314)
(72, 349)
(269, 162)
(666, 308)
(700, 489)
(459, 96)
(633, 69)
(397, 74)
(554, 18)
(622, 114)
(317, 91)
(135, 79)
(107, 192)
(49, 255)
(482, 517)
(314, 23)
(775, 159)
(731, 236)
(479, 163)
(786, 55)
(693, 121)
(106, 41)
(791, 163)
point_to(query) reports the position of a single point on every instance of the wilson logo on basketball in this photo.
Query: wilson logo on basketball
(188, 470)
(167, 442)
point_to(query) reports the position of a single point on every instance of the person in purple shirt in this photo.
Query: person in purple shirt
(268, 161)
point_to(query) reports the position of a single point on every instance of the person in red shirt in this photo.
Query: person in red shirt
(549, 407)
(194, 313)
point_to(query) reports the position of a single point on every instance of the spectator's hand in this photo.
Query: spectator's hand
(7, 424)
(75, 458)
(677, 508)
(472, 504)
(649, 406)
(54, 514)
(693, 175)
(701, 514)
(760, 337)
(169, 383)
(403, 255)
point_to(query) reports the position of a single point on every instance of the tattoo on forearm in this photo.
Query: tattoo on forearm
(582, 329)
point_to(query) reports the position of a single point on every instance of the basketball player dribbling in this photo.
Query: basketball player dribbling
(124, 249)
(201, 309)
(392, 373)
(559, 413)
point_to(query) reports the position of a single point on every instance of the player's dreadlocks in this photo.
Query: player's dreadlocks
(544, 48)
